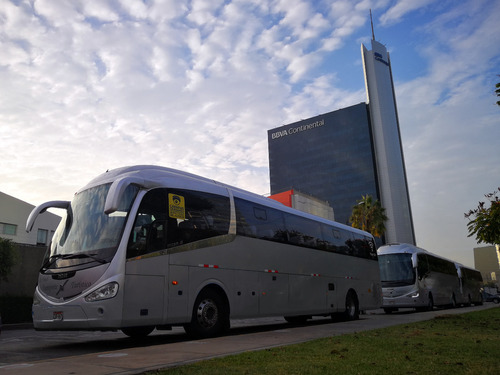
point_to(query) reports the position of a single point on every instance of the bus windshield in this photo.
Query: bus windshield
(396, 270)
(86, 234)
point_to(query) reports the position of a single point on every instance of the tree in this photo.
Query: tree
(369, 216)
(8, 257)
(498, 92)
(484, 222)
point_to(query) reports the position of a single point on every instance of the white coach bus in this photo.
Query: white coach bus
(415, 278)
(471, 283)
(149, 247)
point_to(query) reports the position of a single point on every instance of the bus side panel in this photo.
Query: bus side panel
(274, 294)
(442, 286)
(246, 288)
(177, 301)
(363, 277)
(143, 300)
(367, 284)
(143, 291)
(308, 294)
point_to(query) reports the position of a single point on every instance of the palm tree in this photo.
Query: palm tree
(369, 216)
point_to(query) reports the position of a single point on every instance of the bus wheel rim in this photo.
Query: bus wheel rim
(207, 313)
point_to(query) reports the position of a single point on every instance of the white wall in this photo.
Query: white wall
(15, 211)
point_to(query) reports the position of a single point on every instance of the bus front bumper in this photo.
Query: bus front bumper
(409, 300)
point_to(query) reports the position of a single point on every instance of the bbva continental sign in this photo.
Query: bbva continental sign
(297, 129)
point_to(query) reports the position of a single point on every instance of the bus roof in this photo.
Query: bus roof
(153, 176)
(397, 248)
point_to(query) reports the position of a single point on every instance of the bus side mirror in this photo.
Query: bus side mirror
(41, 209)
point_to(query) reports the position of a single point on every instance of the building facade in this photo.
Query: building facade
(13, 215)
(342, 155)
(305, 203)
(389, 159)
(487, 261)
(30, 247)
(329, 156)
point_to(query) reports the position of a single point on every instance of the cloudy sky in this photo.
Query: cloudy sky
(91, 85)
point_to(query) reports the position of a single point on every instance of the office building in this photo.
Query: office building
(345, 154)
(487, 261)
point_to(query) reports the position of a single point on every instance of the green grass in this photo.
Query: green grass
(449, 344)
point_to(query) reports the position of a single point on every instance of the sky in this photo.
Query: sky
(92, 85)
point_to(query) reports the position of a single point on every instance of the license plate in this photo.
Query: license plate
(57, 315)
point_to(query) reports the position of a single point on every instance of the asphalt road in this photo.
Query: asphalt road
(26, 351)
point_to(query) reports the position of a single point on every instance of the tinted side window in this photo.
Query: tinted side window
(198, 216)
(254, 220)
(422, 265)
(363, 247)
(149, 232)
(168, 218)
(332, 238)
(442, 266)
(303, 232)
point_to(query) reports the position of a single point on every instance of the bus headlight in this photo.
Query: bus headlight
(104, 292)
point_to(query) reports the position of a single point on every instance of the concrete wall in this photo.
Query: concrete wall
(23, 278)
(307, 203)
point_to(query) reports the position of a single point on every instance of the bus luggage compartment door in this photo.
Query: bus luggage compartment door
(273, 293)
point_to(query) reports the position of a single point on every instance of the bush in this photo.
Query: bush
(8, 257)
(15, 309)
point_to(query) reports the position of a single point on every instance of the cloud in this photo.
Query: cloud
(396, 13)
(449, 126)
(93, 85)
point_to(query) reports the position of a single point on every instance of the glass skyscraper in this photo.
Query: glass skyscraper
(341, 155)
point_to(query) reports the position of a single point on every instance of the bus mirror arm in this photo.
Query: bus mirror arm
(41, 209)
(414, 260)
(117, 189)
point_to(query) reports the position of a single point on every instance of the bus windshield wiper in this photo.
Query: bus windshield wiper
(49, 262)
(85, 255)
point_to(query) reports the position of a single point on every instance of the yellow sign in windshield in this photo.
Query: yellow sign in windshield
(176, 206)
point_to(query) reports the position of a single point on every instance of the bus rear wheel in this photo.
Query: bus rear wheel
(351, 306)
(210, 315)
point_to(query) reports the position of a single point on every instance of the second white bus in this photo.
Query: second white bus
(470, 285)
(415, 278)
(148, 247)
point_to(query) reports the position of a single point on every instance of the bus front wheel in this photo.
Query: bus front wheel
(210, 315)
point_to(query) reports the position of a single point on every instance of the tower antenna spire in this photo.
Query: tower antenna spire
(371, 21)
